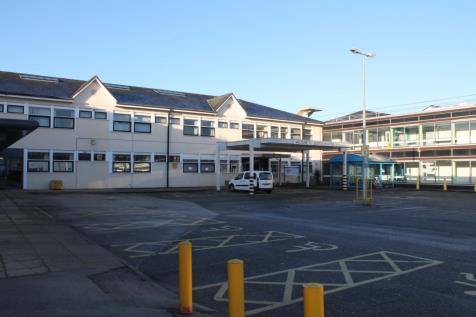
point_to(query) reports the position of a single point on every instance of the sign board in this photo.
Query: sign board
(291, 171)
(365, 151)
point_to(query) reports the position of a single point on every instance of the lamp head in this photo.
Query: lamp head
(354, 50)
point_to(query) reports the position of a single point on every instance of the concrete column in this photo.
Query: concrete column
(217, 169)
(308, 174)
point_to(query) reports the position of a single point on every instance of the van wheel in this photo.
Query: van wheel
(231, 187)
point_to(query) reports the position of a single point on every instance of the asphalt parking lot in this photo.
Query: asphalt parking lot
(409, 254)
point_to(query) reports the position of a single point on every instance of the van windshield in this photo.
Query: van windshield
(266, 176)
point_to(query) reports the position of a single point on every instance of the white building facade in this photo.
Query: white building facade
(96, 135)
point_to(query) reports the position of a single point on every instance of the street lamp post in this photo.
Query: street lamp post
(365, 164)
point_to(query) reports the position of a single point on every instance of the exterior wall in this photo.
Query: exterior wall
(96, 136)
(432, 146)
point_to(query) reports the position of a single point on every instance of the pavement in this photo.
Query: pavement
(49, 269)
(409, 254)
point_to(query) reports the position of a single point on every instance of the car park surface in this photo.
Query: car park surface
(409, 254)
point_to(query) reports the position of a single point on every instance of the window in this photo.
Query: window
(349, 137)
(295, 133)
(306, 134)
(84, 156)
(247, 131)
(121, 163)
(462, 132)
(223, 166)
(190, 166)
(274, 132)
(234, 125)
(162, 120)
(327, 136)
(357, 137)
(63, 162)
(15, 109)
(160, 158)
(284, 132)
(99, 156)
(234, 165)
(174, 121)
(122, 122)
(207, 166)
(142, 124)
(443, 132)
(174, 158)
(336, 137)
(85, 114)
(64, 119)
(38, 162)
(207, 128)
(190, 127)
(1, 107)
(141, 163)
(100, 115)
(40, 115)
(428, 133)
(261, 131)
(223, 124)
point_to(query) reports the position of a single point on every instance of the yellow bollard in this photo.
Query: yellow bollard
(418, 183)
(185, 277)
(236, 288)
(313, 300)
(445, 186)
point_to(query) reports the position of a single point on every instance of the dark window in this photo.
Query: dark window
(190, 166)
(435, 153)
(99, 156)
(443, 115)
(1, 107)
(190, 127)
(122, 122)
(284, 132)
(207, 166)
(142, 124)
(207, 128)
(121, 163)
(174, 158)
(100, 115)
(15, 109)
(38, 162)
(141, 163)
(64, 119)
(223, 124)
(85, 114)
(174, 121)
(63, 162)
(461, 113)
(234, 125)
(306, 134)
(162, 120)
(84, 156)
(461, 152)
(274, 132)
(40, 115)
(247, 131)
(295, 133)
(160, 158)
(261, 131)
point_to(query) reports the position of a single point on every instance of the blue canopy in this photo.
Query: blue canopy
(357, 159)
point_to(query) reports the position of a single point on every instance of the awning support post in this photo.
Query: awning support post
(217, 168)
(252, 167)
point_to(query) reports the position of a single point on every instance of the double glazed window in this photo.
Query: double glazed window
(63, 118)
(100, 115)
(274, 132)
(295, 133)
(190, 166)
(190, 127)
(121, 163)
(207, 166)
(122, 123)
(234, 125)
(284, 132)
(85, 156)
(162, 120)
(247, 130)
(38, 162)
(174, 121)
(63, 162)
(15, 109)
(306, 134)
(141, 163)
(85, 114)
(207, 128)
(261, 131)
(223, 124)
(142, 124)
(40, 115)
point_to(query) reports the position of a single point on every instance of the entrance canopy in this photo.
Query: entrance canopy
(273, 145)
(11, 130)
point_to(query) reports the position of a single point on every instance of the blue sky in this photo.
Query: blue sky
(284, 54)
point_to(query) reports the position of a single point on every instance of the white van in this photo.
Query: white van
(263, 181)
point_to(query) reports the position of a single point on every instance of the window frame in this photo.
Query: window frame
(96, 112)
(12, 105)
(127, 162)
(145, 162)
(210, 128)
(85, 111)
(210, 163)
(222, 124)
(66, 161)
(47, 161)
(195, 127)
(190, 162)
(114, 129)
(32, 116)
(84, 153)
(142, 124)
(72, 118)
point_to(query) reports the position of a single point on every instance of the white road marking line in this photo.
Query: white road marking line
(143, 249)
(151, 224)
(468, 277)
(347, 274)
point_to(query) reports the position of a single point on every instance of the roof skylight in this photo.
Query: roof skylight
(169, 92)
(115, 86)
(39, 78)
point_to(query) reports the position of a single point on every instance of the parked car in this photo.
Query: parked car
(263, 180)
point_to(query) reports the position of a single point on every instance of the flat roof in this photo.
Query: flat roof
(282, 145)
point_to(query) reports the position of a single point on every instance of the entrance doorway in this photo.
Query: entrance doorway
(11, 168)
(260, 164)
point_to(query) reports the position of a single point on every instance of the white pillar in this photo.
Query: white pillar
(252, 157)
(217, 169)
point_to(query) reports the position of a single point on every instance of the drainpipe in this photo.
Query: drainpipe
(168, 151)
